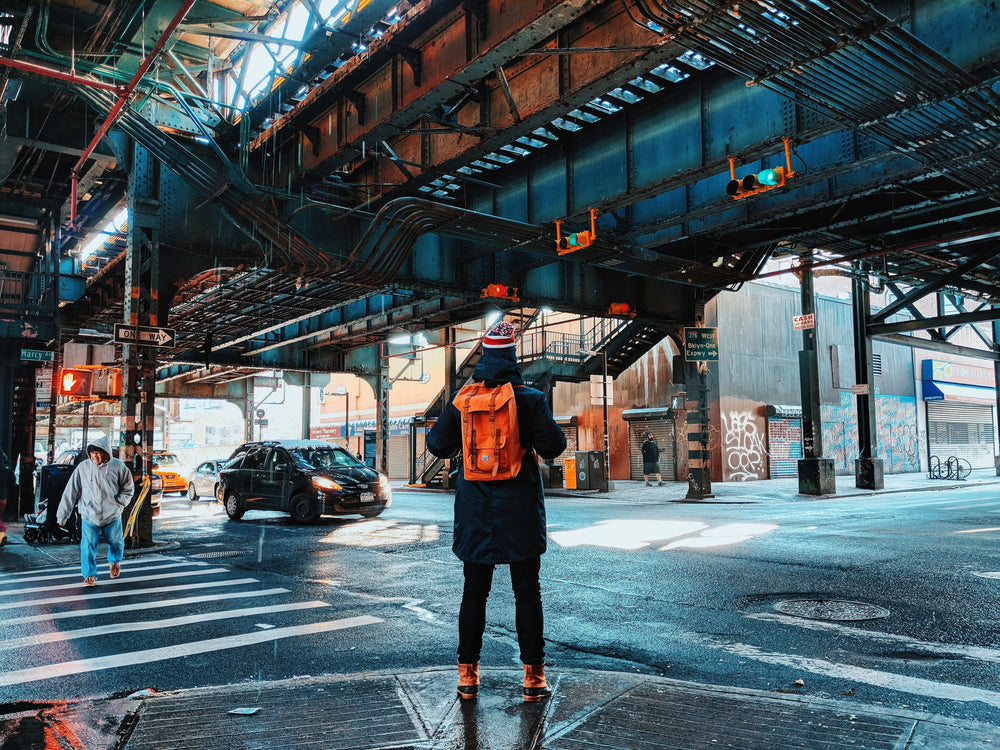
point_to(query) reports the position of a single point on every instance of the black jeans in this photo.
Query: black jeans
(527, 610)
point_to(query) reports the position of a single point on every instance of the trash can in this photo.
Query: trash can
(569, 470)
(590, 474)
(555, 476)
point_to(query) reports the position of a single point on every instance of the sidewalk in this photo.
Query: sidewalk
(419, 709)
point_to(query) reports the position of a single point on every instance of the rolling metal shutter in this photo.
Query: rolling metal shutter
(784, 444)
(663, 431)
(963, 430)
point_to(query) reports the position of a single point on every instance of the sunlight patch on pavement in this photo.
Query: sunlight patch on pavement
(978, 531)
(382, 534)
(620, 534)
(631, 535)
(731, 533)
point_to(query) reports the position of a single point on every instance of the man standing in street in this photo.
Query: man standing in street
(651, 460)
(103, 487)
(501, 522)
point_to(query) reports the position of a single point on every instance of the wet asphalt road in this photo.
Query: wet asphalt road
(682, 590)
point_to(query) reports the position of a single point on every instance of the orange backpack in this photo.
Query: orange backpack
(491, 444)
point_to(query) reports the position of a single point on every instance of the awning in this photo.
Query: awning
(935, 390)
(661, 412)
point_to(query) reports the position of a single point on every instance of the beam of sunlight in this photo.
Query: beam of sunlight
(978, 531)
(732, 533)
(621, 534)
(382, 534)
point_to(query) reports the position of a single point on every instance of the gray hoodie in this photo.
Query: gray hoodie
(102, 491)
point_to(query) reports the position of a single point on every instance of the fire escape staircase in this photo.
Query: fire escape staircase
(547, 357)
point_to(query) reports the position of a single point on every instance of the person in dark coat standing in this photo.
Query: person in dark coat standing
(651, 459)
(502, 522)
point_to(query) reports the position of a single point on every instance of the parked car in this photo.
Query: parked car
(169, 468)
(305, 478)
(204, 482)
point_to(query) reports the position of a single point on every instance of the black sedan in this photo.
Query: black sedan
(305, 478)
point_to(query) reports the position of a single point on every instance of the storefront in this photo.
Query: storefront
(660, 422)
(961, 404)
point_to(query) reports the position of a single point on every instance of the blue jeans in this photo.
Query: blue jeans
(90, 535)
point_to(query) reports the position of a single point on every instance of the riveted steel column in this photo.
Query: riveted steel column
(142, 272)
(816, 474)
(382, 438)
(868, 470)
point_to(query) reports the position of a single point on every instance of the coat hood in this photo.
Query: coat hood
(102, 444)
(498, 365)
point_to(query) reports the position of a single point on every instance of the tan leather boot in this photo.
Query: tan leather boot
(468, 681)
(534, 683)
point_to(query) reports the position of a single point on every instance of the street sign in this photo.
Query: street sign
(260, 413)
(802, 322)
(860, 389)
(145, 335)
(35, 355)
(701, 344)
(597, 390)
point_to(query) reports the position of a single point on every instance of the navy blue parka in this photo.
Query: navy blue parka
(502, 521)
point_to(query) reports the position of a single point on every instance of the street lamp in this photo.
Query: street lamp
(604, 399)
(342, 391)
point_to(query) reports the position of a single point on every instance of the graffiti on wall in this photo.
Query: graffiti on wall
(744, 447)
(895, 418)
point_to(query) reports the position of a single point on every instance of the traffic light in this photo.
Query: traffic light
(623, 309)
(76, 383)
(567, 243)
(500, 291)
(766, 179)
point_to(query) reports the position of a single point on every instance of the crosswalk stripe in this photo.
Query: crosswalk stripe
(140, 606)
(91, 594)
(889, 680)
(75, 572)
(177, 651)
(129, 579)
(13, 575)
(170, 622)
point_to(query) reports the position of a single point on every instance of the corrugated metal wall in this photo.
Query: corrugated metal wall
(963, 430)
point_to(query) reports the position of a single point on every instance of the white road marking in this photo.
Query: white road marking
(979, 653)
(178, 651)
(888, 680)
(56, 568)
(170, 622)
(75, 573)
(140, 606)
(130, 579)
(91, 594)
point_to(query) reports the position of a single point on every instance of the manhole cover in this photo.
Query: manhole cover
(223, 553)
(831, 609)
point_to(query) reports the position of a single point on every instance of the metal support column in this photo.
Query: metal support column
(868, 469)
(996, 382)
(382, 417)
(696, 375)
(142, 271)
(816, 474)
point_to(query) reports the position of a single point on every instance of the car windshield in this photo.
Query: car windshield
(165, 459)
(322, 458)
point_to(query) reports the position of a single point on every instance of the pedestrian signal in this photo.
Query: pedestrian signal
(76, 383)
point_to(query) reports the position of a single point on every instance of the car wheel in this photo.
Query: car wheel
(30, 536)
(192, 492)
(375, 513)
(234, 508)
(304, 509)
(218, 492)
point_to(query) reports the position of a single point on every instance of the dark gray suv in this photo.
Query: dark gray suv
(305, 478)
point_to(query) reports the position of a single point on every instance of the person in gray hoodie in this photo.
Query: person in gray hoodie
(103, 487)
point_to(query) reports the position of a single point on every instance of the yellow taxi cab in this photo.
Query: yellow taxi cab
(168, 467)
